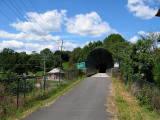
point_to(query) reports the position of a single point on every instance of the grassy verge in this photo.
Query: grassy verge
(128, 105)
(43, 100)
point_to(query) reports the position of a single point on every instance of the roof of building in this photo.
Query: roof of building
(55, 70)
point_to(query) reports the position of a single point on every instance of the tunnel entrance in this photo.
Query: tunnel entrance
(102, 68)
(100, 59)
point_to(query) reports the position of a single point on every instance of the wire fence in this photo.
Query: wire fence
(18, 91)
(148, 93)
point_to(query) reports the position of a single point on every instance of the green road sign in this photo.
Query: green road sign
(81, 65)
(78, 65)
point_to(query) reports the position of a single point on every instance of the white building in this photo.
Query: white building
(54, 74)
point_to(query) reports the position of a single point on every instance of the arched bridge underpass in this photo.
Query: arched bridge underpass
(100, 60)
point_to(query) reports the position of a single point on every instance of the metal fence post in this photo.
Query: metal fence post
(24, 87)
(68, 74)
(44, 84)
(18, 92)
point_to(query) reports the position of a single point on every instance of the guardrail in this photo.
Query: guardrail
(89, 71)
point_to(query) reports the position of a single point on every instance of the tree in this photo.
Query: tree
(156, 70)
(139, 61)
(75, 56)
(45, 51)
(7, 59)
(49, 57)
(88, 48)
(117, 46)
(21, 65)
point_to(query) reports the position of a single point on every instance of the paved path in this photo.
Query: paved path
(86, 101)
(100, 75)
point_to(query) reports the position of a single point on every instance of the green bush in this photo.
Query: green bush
(156, 70)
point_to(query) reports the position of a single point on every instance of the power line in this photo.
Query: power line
(6, 16)
(11, 9)
(31, 14)
(24, 5)
(26, 20)
(18, 6)
(15, 8)
(21, 15)
(34, 7)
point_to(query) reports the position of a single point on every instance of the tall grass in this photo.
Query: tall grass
(128, 105)
(38, 99)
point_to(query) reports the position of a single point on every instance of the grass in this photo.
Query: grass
(65, 65)
(42, 100)
(51, 81)
(38, 73)
(128, 105)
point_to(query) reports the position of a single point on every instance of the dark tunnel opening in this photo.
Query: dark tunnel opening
(100, 59)
(102, 68)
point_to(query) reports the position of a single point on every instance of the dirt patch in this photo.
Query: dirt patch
(111, 107)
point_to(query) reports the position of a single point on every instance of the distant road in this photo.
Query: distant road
(86, 101)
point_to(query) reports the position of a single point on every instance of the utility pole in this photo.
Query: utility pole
(61, 47)
(44, 72)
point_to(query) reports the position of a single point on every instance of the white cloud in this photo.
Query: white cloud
(134, 39)
(37, 33)
(38, 24)
(28, 37)
(150, 34)
(13, 44)
(142, 33)
(88, 25)
(39, 27)
(70, 46)
(141, 9)
(29, 47)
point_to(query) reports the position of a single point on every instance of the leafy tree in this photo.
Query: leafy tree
(139, 61)
(45, 51)
(88, 48)
(21, 65)
(7, 59)
(75, 56)
(117, 46)
(156, 70)
(48, 56)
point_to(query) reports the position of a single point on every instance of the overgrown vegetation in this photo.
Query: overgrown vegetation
(129, 107)
(35, 99)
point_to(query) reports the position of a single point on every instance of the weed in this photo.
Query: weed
(129, 107)
(37, 100)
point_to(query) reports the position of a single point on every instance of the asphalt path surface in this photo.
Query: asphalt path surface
(85, 101)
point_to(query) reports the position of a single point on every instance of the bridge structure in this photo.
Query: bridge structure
(98, 61)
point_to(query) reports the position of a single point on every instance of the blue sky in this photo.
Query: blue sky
(32, 25)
